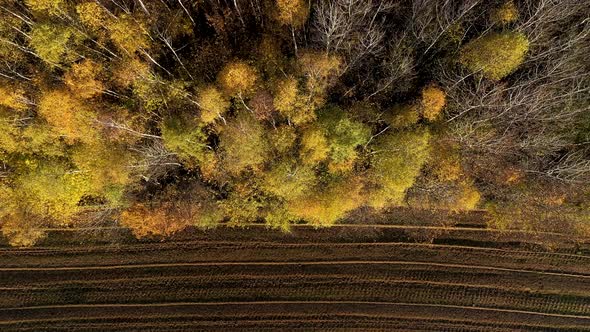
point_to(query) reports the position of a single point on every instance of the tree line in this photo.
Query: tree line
(173, 113)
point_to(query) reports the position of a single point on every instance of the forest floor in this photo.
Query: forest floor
(379, 276)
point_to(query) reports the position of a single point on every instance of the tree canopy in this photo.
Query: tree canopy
(163, 115)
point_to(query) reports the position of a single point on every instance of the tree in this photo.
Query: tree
(320, 70)
(172, 211)
(277, 216)
(396, 72)
(558, 209)
(68, 115)
(288, 180)
(444, 184)
(132, 71)
(299, 102)
(262, 105)
(292, 12)
(213, 104)
(39, 138)
(187, 141)
(344, 136)
(445, 164)
(157, 95)
(398, 160)
(106, 166)
(237, 78)
(154, 161)
(243, 144)
(314, 145)
(244, 202)
(402, 116)
(269, 57)
(434, 23)
(22, 230)
(496, 55)
(283, 139)
(452, 197)
(291, 103)
(433, 101)
(148, 221)
(93, 16)
(10, 49)
(351, 27)
(325, 204)
(8, 137)
(468, 198)
(51, 7)
(55, 43)
(13, 98)
(505, 14)
(82, 79)
(129, 34)
(51, 189)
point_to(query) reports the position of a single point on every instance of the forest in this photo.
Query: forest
(159, 115)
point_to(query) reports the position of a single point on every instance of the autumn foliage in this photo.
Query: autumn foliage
(433, 101)
(163, 115)
(238, 78)
(495, 55)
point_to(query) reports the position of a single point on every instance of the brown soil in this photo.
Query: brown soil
(341, 279)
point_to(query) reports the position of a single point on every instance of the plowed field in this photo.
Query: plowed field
(350, 278)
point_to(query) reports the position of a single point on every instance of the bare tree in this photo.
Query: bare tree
(351, 27)
(531, 117)
(398, 65)
(431, 19)
(155, 161)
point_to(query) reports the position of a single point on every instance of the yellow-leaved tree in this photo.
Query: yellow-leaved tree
(433, 101)
(292, 103)
(172, 212)
(314, 145)
(129, 34)
(213, 104)
(398, 160)
(298, 99)
(243, 144)
(288, 180)
(344, 135)
(9, 30)
(283, 139)
(21, 232)
(55, 43)
(320, 70)
(292, 12)
(505, 14)
(13, 98)
(50, 7)
(187, 140)
(93, 16)
(82, 79)
(238, 78)
(68, 115)
(403, 116)
(326, 203)
(106, 167)
(50, 189)
(495, 55)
